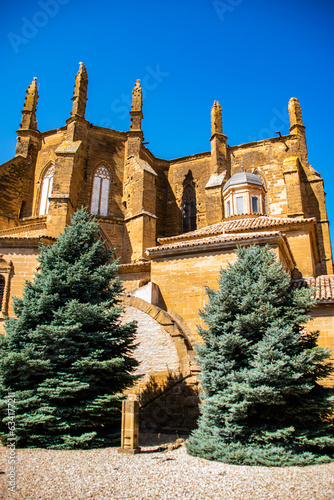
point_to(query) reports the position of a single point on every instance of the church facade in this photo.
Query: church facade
(173, 224)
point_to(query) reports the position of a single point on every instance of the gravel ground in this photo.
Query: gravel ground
(155, 475)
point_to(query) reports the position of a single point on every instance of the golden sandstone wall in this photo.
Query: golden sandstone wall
(323, 322)
(293, 188)
(25, 263)
(146, 198)
(199, 166)
(182, 281)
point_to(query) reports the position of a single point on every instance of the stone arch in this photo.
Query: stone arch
(180, 341)
(168, 401)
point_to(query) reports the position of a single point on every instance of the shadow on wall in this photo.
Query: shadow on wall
(169, 405)
(315, 212)
(173, 218)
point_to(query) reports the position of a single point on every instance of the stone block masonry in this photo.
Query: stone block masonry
(169, 223)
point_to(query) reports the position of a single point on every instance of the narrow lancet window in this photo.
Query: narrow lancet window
(189, 209)
(100, 194)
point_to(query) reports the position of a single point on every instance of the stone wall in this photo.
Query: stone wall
(182, 281)
(107, 148)
(175, 409)
(168, 388)
(303, 253)
(155, 350)
(24, 265)
(199, 166)
(16, 181)
(322, 320)
(46, 156)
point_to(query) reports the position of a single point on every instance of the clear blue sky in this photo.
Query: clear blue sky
(251, 55)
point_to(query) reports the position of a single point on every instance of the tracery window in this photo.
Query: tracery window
(100, 194)
(46, 191)
(2, 290)
(189, 208)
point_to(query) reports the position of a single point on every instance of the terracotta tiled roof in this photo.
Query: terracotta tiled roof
(25, 235)
(324, 286)
(237, 225)
(26, 238)
(220, 238)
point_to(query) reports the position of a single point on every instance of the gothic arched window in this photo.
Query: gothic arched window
(46, 190)
(2, 290)
(189, 208)
(100, 194)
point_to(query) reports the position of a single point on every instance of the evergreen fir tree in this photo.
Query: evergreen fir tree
(66, 355)
(262, 403)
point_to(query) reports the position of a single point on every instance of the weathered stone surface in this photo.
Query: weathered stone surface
(145, 203)
(130, 427)
(155, 351)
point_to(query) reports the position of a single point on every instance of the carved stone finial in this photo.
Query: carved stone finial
(295, 113)
(80, 92)
(216, 119)
(29, 121)
(136, 107)
(137, 97)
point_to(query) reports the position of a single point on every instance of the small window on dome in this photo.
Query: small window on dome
(255, 205)
(240, 204)
(228, 208)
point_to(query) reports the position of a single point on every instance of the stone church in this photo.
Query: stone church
(173, 224)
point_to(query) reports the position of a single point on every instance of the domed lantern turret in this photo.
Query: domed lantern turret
(244, 193)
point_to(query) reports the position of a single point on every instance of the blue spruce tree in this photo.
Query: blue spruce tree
(262, 403)
(66, 355)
